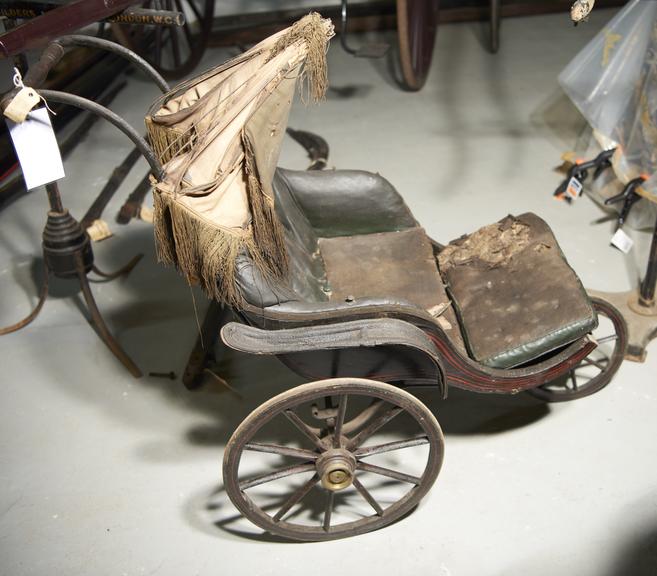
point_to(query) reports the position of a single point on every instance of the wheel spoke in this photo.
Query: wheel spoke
(328, 510)
(365, 494)
(175, 47)
(601, 364)
(295, 497)
(389, 473)
(282, 450)
(185, 26)
(271, 476)
(609, 338)
(374, 425)
(362, 418)
(157, 58)
(339, 420)
(293, 417)
(573, 379)
(390, 446)
(196, 11)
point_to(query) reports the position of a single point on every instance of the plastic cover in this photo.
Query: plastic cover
(613, 82)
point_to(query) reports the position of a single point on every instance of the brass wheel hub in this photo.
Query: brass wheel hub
(336, 468)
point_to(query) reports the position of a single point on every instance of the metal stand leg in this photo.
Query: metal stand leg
(99, 324)
(203, 351)
(639, 308)
(32, 315)
(494, 26)
(647, 292)
(121, 271)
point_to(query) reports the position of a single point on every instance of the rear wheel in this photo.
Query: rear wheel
(417, 24)
(325, 460)
(598, 368)
(173, 51)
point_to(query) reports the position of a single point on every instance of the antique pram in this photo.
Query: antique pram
(331, 273)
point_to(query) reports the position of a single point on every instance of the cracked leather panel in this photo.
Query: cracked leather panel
(514, 291)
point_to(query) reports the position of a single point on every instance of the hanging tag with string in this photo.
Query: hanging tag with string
(33, 137)
(21, 104)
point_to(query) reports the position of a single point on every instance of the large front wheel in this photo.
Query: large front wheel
(318, 462)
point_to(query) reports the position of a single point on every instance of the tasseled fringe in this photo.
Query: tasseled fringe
(267, 229)
(204, 255)
(315, 31)
(207, 255)
(167, 142)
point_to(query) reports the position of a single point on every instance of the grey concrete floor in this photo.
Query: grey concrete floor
(104, 474)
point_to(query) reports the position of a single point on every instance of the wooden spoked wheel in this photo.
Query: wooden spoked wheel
(173, 51)
(417, 24)
(598, 368)
(332, 459)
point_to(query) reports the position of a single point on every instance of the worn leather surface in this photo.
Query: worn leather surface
(509, 313)
(314, 204)
(347, 202)
(395, 265)
(386, 349)
(520, 307)
(388, 264)
(258, 289)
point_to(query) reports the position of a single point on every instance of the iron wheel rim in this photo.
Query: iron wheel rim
(608, 364)
(314, 391)
(417, 24)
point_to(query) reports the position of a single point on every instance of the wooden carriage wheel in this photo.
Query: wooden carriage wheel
(173, 51)
(598, 368)
(331, 480)
(417, 23)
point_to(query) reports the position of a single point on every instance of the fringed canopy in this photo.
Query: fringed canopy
(218, 137)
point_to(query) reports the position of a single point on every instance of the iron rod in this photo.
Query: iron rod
(67, 18)
(54, 197)
(647, 292)
(113, 118)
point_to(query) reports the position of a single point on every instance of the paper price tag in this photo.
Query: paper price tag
(37, 149)
(574, 188)
(622, 241)
(21, 104)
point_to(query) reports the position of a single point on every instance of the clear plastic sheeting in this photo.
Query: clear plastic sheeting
(613, 82)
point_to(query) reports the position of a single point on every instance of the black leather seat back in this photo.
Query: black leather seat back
(307, 277)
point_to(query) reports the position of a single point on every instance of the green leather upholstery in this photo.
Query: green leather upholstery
(350, 235)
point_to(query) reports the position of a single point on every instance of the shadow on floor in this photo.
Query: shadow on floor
(638, 557)
(464, 413)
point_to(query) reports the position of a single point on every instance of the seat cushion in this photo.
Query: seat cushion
(514, 292)
(347, 202)
(396, 265)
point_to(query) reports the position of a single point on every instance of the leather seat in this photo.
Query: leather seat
(515, 294)
(505, 293)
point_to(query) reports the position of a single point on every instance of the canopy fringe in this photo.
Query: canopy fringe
(206, 254)
(315, 31)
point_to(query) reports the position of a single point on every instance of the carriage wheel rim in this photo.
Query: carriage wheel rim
(417, 23)
(608, 365)
(317, 390)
